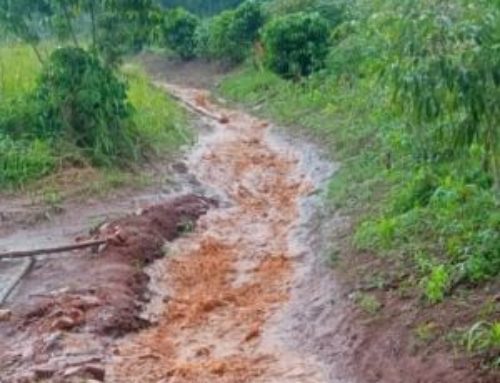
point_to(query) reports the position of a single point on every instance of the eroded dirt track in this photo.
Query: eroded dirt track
(224, 286)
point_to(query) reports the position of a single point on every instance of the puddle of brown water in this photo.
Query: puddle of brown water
(223, 284)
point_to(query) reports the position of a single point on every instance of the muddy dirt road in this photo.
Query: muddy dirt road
(224, 291)
(244, 295)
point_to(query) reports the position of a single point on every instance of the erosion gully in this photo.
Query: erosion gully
(222, 291)
(246, 296)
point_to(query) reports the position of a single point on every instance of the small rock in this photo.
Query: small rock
(72, 371)
(89, 301)
(5, 315)
(63, 323)
(92, 371)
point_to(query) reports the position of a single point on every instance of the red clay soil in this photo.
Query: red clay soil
(232, 276)
(108, 297)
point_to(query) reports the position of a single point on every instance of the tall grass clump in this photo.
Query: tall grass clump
(159, 123)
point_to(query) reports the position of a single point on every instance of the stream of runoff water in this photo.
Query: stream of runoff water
(220, 293)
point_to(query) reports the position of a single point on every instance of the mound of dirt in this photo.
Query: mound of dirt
(94, 296)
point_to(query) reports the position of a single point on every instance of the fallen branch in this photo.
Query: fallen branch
(192, 106)
(53, 250)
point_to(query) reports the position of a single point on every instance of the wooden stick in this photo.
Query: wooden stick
(52, 250)
(191, 106)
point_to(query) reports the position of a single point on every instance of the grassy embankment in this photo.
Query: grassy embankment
(156, 127)
(424, 233)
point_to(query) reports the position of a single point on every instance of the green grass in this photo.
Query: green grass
(19, 70)
(159, 121)
(446, 209)
(157, 125)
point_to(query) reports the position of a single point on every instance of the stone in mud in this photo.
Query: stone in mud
(224, 119)
(5, 315)
(64, 323)
(90, 371)
(89, 301)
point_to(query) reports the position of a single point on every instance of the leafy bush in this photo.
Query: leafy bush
(445, 72)
(248, 19)
(83, 102)
(114, 38)
(231, 33)
(296, 45)
(221, 45)
(202, 39)
(179, 29)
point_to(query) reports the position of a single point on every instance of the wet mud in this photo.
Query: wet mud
(67, 311)
(244, 294)
(226, 285)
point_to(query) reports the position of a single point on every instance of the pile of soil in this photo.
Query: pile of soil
(93, 296)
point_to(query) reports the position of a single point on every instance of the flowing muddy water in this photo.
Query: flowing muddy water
(222, 292)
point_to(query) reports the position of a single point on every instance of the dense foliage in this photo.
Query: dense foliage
(83, 101)
(178, 30)
(229, 36)
(296, 45)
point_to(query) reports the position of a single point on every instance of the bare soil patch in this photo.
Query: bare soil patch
(61, 331)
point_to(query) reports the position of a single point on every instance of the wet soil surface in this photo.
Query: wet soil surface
(225, 287)
(244, 295)
(66, 311)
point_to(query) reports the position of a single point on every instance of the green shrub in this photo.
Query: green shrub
(221, 45)
(114, 38)
(81, 101)
(202, 39)
(445, 73)
(231, 33)
(248, 19)
(296, 45)
(179, 31)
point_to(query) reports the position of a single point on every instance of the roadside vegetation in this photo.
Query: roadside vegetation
(67, 100)
(406, 95)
